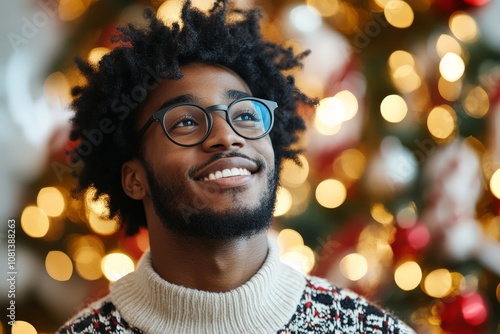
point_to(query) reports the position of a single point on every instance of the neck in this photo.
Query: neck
(208, 265)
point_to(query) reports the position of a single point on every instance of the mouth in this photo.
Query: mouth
(227, 168)
(226, 173)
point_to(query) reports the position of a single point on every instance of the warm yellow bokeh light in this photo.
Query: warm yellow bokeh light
(498, 292)
(300, 258)
(399, 14)
(400, 58)
(324, 129)
(58, 265)
(408, 275)
(283, 202)
(441, 121)
(450, 91)
(353, 266)
(446, 43)
(102, 226)
(56, 88)
(23, 327)
(88, 263)
(203, 5)
(99, 206)
(288, 239)
(331, 193)
(380, 214)
(34, 222)
(51, 201)
(350, 103)
(170, 12)
(331, 111)
(116, 265)
(325, 8)
(353, 163)
(451, 66)
(463, 26)
(406, 79)
(393, 108)
(96, 54)
(495, 183)
(294, 175)
(438, 283)
(70, 10)
(476, 102)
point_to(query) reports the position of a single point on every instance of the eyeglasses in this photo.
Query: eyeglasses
(188, 124)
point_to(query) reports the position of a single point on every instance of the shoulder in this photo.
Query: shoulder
(326, 308)
(99, 317)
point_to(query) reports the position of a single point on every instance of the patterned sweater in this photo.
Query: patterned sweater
(277, 299)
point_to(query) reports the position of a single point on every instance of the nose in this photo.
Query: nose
(222, 137)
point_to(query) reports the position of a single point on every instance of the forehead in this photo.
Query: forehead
(207, 83)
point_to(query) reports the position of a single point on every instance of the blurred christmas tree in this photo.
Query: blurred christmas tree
(398, 198)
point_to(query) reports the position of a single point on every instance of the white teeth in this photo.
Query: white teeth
(227, 173)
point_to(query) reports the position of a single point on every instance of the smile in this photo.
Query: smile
(226, 173)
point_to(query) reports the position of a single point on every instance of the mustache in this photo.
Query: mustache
(221, 155)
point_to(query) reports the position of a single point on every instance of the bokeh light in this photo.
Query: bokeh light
(331, 111)
(353, 266)
(34, 222)
(351, 164)
(116, 265)
(438, 283)
(393, 108)
(23, 327)
(463, 26)
(350, 103)
(325, 8)
(95, 55)
(446, 43)
(102, 226)
(476, 102)
(380, 214)
(451, 66)
(88, 263)
(294, 175)
(70, 10)
(51, 201)
(495, 184)
(441, 121)
(58, 265)
(300, 257)
(283, 202)
(408, 275)
(288, 239)
(399, 14)
(450, 91)
(170, 12)
(331, 193)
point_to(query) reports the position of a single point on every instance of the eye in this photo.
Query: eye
(247, 116)
(184, 121)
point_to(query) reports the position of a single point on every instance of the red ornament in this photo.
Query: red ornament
(465, 314)
(411, 241)
(450, 6)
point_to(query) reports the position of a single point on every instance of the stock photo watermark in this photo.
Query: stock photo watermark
(11, 271)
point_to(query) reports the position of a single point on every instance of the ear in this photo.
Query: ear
(134, 181)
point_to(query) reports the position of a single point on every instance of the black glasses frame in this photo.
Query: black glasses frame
(160, 114)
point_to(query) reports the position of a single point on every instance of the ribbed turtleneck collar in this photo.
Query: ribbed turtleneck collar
(264, 304)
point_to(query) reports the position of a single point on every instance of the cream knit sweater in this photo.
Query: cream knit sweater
(262, 305)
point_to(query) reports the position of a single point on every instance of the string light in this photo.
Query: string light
(116, 265)
(353, 266)
(331, 193)
(283, 202)
(408, 275)
(399, 14)
(34, 222)
(393, 108)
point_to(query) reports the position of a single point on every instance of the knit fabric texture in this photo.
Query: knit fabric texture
(278, 299)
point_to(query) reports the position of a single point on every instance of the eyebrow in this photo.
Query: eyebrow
(231, 94)
(185, 98)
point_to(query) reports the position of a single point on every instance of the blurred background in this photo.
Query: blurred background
(398, 197)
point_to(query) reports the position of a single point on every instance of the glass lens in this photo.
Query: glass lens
(186, 124)
(250, 118)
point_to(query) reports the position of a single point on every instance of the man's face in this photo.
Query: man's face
(185, 196)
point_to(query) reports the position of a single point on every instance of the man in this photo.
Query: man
(202, 119)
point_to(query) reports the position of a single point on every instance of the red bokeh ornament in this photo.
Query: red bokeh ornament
(464, 314)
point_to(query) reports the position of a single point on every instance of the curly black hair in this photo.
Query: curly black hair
(107, 105)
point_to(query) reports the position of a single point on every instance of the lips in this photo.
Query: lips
(225, 168)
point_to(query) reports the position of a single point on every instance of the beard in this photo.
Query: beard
(193, 217)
